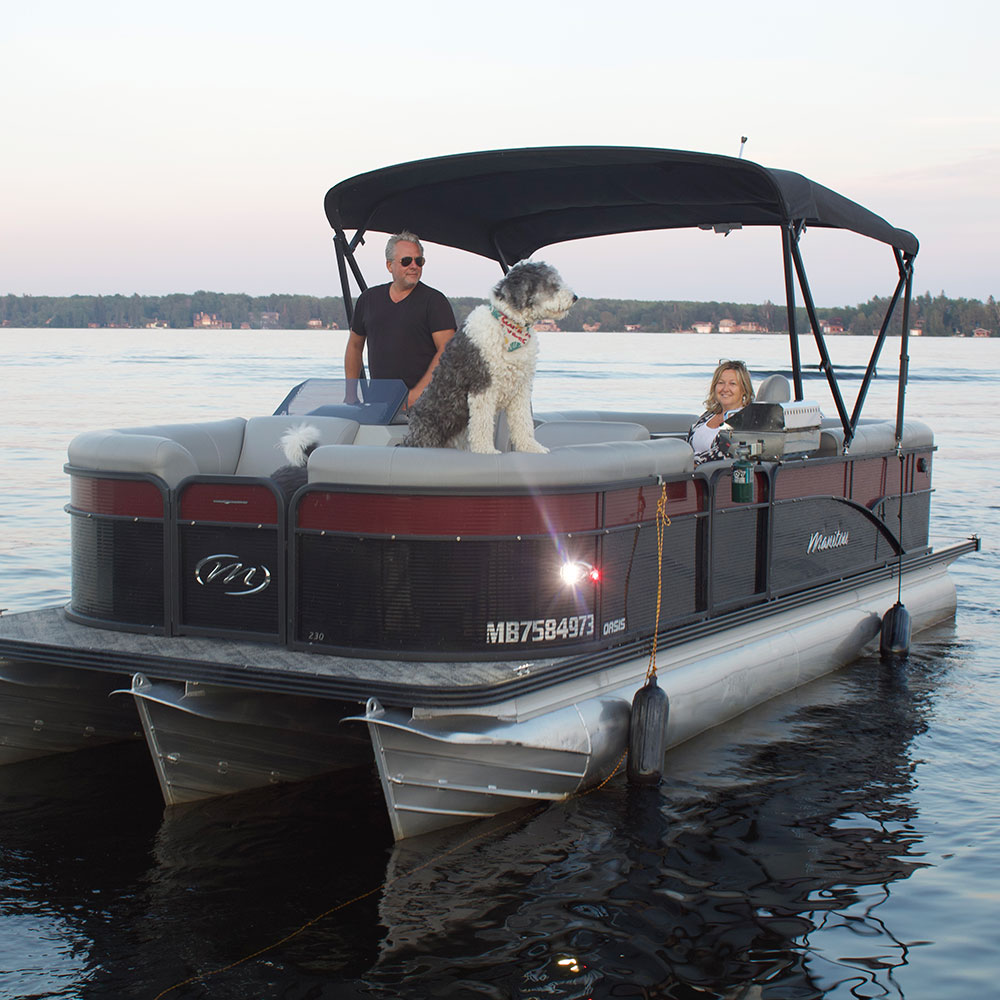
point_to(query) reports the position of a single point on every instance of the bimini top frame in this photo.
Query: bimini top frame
(507, 204)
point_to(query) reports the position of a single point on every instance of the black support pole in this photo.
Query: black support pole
(345, 287)
(787, 236)
(904, 357)
(345, 258)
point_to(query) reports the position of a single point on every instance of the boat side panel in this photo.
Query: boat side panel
(119, 550)
(497, 590)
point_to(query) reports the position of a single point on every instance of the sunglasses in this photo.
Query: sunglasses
(723, 363)
(406, 261)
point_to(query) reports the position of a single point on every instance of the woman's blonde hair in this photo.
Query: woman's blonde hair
(745, 384)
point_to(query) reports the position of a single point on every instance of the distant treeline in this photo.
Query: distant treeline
(937, 316)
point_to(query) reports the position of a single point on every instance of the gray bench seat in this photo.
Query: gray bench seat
(572, 465)
(209, 448)
(560, 433)
(655, 423)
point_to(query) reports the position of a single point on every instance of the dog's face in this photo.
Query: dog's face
(531, 291)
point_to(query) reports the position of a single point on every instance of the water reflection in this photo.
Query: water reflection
(73, 829)
(764, 880)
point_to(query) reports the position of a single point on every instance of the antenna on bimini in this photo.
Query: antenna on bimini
(743, 142)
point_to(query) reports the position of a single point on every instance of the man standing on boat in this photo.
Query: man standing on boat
(406, 323)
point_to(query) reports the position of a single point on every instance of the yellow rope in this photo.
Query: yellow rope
(662, 520)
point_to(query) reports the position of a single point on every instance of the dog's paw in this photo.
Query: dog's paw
(534, 447)
(487, 450)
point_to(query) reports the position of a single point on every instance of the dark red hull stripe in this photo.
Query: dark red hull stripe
(639, 504)
(116, 497)
(863, 480)
(393, 514)
(227, 503)
(505, 516)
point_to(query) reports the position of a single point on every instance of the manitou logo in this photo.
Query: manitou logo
(226, 570)
(818, 542)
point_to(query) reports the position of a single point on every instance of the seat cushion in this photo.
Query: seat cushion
(262, 452)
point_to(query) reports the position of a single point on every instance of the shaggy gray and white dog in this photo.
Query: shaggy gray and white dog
(298, 443)
(489, 365)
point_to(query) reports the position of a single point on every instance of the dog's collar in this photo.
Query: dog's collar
(514, 335)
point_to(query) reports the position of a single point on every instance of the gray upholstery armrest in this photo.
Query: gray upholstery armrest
(170, 451)
(874, 437)
(113, 451)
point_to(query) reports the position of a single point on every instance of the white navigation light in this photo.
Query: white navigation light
(576, 572)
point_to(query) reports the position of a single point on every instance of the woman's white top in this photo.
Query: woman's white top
(703, 437)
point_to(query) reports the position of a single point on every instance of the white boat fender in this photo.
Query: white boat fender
(647, 734)
(894, 643)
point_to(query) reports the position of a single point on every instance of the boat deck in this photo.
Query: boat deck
(47, 635)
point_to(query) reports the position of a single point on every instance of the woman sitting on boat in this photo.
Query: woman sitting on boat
(730, 390)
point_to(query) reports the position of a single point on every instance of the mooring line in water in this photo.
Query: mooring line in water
(364, 895)
(340, 906)
(597, 788)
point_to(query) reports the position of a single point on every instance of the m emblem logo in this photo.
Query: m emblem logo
(223, 569)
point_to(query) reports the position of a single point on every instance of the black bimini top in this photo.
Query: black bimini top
(506, 204)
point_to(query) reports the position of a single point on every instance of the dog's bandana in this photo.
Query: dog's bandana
(514, 336)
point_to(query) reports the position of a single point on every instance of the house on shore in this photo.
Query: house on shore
(209, 321)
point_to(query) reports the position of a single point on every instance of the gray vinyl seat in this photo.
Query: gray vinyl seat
(560, 433)
(573, 465)
(261, 452)
(774, 389)
(173, 452)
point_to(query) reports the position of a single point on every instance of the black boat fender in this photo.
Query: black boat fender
(894, 643)
(647, 734)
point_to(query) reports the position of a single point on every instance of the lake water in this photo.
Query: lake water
(843, 841)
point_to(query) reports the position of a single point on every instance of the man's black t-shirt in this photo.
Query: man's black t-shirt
(399, 338)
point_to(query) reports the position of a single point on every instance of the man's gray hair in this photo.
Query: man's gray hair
(404, 237)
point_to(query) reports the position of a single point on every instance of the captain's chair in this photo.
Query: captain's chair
(774, 389)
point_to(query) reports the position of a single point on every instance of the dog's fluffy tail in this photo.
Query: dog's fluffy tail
(298, 443)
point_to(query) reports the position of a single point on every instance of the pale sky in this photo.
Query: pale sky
(169, 147)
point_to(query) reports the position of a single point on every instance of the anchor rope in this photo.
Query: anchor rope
(597, 788)
(662, 521)
(342, 905)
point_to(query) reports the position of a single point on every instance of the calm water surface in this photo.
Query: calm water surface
(843, 841)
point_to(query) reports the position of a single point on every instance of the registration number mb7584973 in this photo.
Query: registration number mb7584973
(540, 630)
